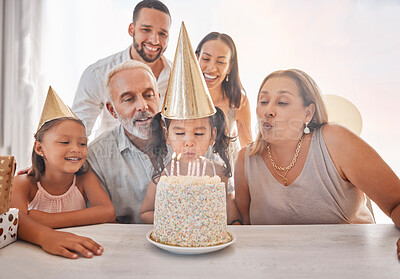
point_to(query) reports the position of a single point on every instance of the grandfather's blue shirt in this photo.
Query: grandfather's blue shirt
(123, 170)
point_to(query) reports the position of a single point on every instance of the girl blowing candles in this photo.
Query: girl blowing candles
(190, 124)
(191, 138)
(56, 196)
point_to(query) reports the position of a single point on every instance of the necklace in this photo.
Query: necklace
(290, 166)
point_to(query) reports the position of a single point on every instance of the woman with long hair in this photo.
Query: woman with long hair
(218, 61)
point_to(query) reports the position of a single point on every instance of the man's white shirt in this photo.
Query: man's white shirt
(90, 97)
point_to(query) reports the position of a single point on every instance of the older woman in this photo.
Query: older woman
(301, 170)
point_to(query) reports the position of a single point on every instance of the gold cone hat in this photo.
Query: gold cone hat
(54, 108)
(187, 95)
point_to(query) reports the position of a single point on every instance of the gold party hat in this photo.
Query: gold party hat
(54, 108)
(187, 95)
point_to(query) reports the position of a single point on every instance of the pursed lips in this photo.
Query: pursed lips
(190, 155)
(267, 125)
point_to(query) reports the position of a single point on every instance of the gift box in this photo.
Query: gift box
(8, 227)
(8, 217)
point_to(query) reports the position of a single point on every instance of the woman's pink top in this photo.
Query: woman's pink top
(69, 201)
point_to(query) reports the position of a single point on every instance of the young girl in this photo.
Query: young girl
(56, 196)
(191, 138)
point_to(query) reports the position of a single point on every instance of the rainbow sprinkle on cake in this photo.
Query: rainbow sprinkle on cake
(190, 211)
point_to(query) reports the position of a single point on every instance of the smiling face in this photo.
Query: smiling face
(190, 137)
(280, 110)
(150, 35)
(214, 59)
(135, 100)
(64, 147)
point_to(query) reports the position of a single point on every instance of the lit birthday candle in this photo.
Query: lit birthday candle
(197, 167)
(177, 164)
(189, 168)
(173, 163)
(194, 168)
(203, 159)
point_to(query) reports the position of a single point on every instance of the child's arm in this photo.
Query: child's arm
(22, 185)
(243, 119)
(231, 210)
(101, 210)
(58, 243)
(54, 242)
(147, 208)
(242, 193)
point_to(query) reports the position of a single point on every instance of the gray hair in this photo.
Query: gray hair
(130, 64)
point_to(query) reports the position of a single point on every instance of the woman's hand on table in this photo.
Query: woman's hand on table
(70, 245)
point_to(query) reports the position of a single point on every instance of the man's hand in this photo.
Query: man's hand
(28, 171)
(65, 244)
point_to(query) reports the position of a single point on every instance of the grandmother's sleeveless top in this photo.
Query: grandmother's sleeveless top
(318, 196)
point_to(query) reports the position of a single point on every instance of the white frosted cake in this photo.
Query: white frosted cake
(190, 211)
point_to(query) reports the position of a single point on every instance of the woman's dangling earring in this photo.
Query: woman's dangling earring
(306, 129)
(227, 78)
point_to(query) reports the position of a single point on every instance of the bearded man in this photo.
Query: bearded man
(149, 29)
(121, 156)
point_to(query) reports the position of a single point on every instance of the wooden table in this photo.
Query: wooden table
(309, 251)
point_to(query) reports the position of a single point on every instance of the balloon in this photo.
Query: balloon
(342, 111)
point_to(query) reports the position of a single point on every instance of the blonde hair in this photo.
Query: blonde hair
(310, 94)
(130, 64)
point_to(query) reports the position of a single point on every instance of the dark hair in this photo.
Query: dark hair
(232, 88)
(158, 146)
(38, 161)
(222, 140)
(160, 149)
(150, 4)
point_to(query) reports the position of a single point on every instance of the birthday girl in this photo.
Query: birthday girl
(190, 139)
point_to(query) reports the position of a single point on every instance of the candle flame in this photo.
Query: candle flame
(174, 155)
(179, 156)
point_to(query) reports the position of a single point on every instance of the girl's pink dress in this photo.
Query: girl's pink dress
(69, 201)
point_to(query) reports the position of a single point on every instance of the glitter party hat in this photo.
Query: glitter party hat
(54, 108)
(187, 95)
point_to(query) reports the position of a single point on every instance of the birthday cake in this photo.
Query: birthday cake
(190, 211)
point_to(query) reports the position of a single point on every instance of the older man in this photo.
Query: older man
(149, 29)
(120, 157)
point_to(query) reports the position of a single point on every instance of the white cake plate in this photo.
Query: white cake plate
(190, 250)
